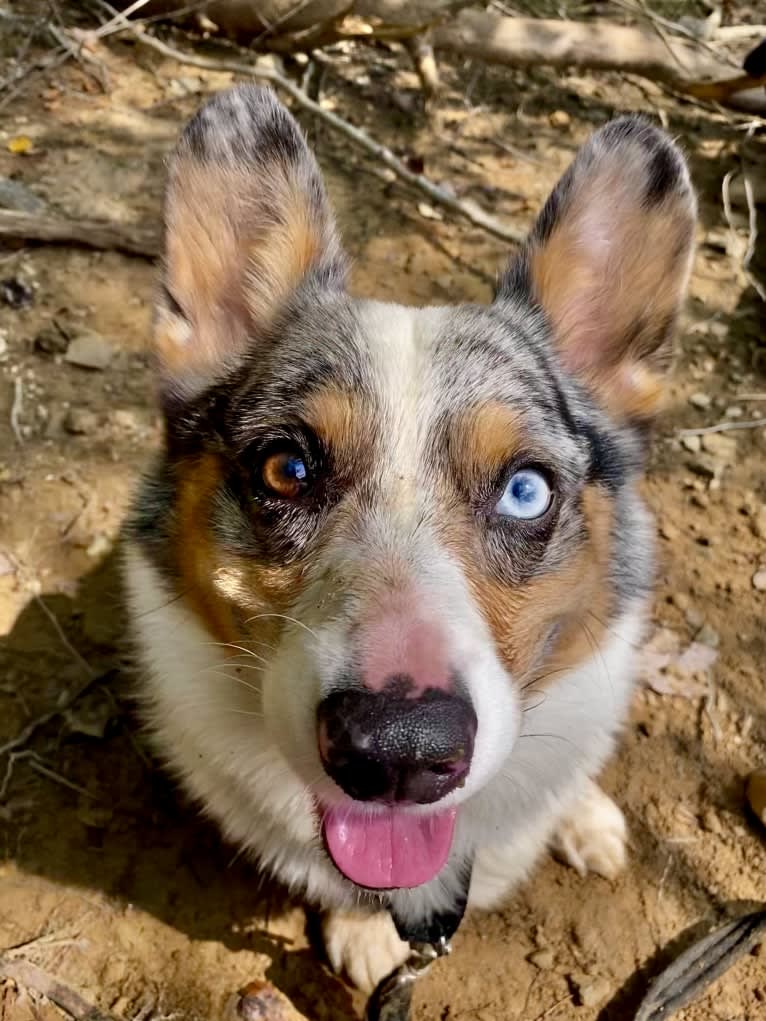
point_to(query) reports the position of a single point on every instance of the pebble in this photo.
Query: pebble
(590, 992)
(719, 330)
(710, 822)
(99, 547)
(691, 443)
(701, 401)
(680, 600)
(708, 636)
(759, 580)
(723, 447)
(734, 411)
(694, 618)
(124, 419)
(260, 1001)
(559, 119)
(756, 793)
(543, 959)
(89, 351)
(428, 212)
(80, 421)
(15, 195)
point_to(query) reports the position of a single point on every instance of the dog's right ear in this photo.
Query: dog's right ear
(246, 221)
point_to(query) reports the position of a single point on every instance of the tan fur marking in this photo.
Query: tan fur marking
(578, 597)
(195, 551)
(486, 439)
(232, 258)
(232, 595)
(609, 297)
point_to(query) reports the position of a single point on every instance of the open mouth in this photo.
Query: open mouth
(389, 848)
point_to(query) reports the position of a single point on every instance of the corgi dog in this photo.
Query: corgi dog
(388, 574)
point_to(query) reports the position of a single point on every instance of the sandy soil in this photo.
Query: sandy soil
(136, 902)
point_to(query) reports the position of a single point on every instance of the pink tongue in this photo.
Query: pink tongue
(390, 848)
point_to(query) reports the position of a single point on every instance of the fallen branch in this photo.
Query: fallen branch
(593, 45)
(466, 208)
(49, 228)
(24, 973)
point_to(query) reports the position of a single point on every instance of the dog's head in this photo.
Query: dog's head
(412, 517)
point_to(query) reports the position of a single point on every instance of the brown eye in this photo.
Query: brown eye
(286, 474)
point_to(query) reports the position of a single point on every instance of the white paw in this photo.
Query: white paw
(363, 947)
(593, 837)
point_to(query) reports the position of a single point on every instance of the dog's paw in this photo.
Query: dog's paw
(593, 837)
(363, 947)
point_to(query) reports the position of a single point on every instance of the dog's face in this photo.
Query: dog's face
(414, 519)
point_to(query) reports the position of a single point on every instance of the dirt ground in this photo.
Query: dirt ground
(131, 898)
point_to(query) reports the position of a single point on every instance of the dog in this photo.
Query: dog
(388, 574)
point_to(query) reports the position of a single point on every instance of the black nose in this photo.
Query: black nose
(380, 746)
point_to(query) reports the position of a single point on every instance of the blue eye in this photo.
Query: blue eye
(527, 496)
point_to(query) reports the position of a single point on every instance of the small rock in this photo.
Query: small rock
(719, 330)
(80, 421)
(124, 420)
(691, 443)
(559, 119)
(680, 600)
(89, 351)
(708, 636)
(759, 580)
(590, 992)
(734, 411)
(260, 1001)
(756, 793)
(723, 447)
(710, 822)
(428, 212)
(701, 401)
(15, 195)
(92, 715)
(99, 547)
(543, 959)
(694, 618)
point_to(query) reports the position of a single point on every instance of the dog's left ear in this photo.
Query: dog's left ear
(247, 221)
(608, 261)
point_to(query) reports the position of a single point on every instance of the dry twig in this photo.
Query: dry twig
(723, 427)
(471, 211)
(16, 408)
(24, 973)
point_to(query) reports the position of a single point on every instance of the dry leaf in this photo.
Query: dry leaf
(667, 669)
(20, 145)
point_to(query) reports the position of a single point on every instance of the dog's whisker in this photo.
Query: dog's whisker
(239, 648)
(287, 617)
